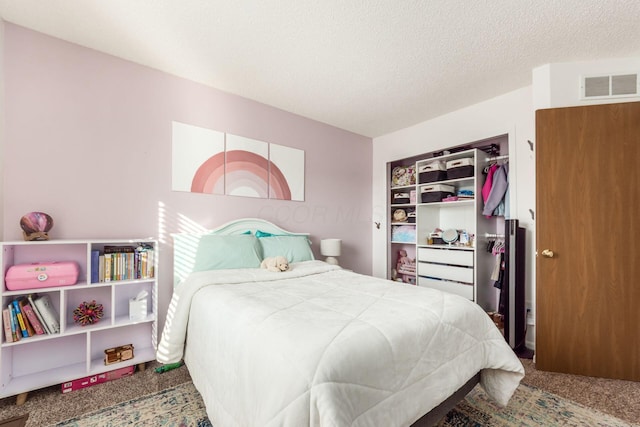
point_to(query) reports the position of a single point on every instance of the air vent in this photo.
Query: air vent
(610, 86)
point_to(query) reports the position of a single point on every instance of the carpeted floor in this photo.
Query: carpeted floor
(49, 406)
(529, 407)
(616, 397)
(174, 407)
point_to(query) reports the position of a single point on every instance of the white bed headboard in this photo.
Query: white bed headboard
(239, 226)
(182, 264)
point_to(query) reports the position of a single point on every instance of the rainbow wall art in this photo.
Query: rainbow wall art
(212, 162)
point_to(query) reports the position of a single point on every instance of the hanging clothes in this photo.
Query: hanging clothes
(495, 273)
(499, 186)
(507, 202)
(502, 303)
(503, 207)
(486, 188)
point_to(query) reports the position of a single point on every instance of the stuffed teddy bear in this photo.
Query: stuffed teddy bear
(403, 259)
(405, 265)
(275, 263)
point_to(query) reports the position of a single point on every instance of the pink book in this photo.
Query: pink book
(33, 319)
(6, 322)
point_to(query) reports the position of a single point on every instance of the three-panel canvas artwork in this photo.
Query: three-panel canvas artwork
(213, 162)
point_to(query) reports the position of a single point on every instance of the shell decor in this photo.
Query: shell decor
(36, 226)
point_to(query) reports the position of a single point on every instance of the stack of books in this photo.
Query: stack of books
(122, 263)
(30, 315)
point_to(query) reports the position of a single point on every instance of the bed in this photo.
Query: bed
(319, 345)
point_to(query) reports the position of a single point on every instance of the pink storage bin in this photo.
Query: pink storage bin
(41, 275)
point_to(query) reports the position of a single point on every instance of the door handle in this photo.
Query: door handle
(547, 253)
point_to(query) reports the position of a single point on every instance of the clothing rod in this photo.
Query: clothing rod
(492, 159)
(493, 236)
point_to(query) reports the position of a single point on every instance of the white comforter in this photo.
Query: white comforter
(321, 346)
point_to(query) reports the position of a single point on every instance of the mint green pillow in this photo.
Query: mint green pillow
(294, 248)
(218, 252)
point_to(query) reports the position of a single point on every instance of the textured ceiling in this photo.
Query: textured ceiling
(367, 66)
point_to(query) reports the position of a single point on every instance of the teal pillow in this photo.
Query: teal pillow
(260, 233)
(294, 248)
(217, 252)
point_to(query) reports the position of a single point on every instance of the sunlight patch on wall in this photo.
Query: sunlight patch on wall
(187, 234)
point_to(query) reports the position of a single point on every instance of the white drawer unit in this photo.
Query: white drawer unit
(447, 269)
(448, 272)
(462, 289)
(446, 256)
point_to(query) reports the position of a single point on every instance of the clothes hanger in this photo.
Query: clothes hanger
(498, 248)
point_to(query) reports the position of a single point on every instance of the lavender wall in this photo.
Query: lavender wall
(88, 140)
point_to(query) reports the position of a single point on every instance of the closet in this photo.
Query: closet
(445, 231)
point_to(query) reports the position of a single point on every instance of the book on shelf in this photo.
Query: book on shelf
(21, 323)
(126, 263)
(107, 267)
(101, 268)
(48, 312)
(31, 297)
(131, 265)
(30, 329)
(119, 249)
(146, 262)
(6, 323)
(15, 329)
(32, 319)
(95, 266)
(114, 266)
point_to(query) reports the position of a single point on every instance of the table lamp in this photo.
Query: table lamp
(331, 249)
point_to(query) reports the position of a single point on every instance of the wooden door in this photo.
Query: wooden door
(588, 215)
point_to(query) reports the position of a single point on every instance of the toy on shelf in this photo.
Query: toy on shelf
(118, 354)
(406, 267)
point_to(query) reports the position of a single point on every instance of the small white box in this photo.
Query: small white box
(458, 163)
(438, 187)
(137, 309)
(433, 166)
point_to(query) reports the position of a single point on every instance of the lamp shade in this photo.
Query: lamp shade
(330, 247)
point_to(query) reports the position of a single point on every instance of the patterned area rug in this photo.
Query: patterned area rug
(182, 406)
(528, 407)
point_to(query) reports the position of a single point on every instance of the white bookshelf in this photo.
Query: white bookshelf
(77, 351)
